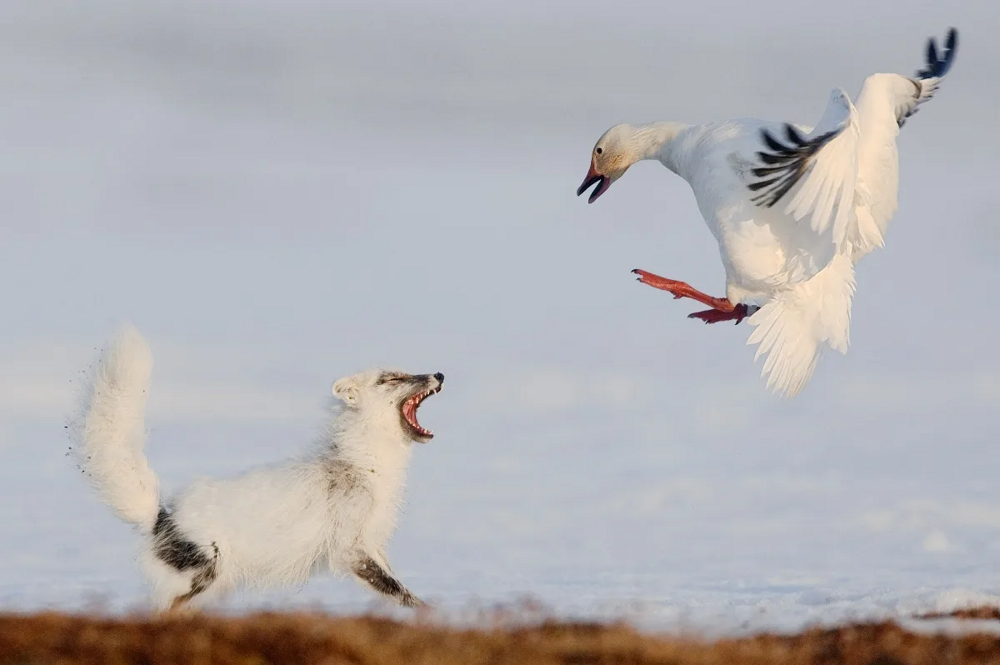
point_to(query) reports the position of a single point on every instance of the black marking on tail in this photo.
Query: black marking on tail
(173, 549)
(936, 66)
(787, 162)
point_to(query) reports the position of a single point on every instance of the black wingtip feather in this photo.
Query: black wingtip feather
(768, 158)
(761, 184)
(939, 64)
(786, 163)
(773, 143)
(952, 41)
(794, 136)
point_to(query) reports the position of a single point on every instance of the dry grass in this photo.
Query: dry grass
(315, 638)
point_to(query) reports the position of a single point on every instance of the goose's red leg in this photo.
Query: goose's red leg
(715, 316)
(722, 309)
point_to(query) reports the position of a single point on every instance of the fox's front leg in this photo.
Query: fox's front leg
(381, 580)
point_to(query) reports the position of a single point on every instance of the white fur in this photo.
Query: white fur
(271, 526)
(112, 431)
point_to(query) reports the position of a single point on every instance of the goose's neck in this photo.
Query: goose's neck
(656, 140)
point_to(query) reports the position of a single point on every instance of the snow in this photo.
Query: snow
(273, 215)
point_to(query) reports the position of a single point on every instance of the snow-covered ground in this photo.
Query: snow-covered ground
(278, 194)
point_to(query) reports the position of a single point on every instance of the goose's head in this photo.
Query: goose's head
(613, 153)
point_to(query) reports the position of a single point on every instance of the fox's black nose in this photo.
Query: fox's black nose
(440, 377)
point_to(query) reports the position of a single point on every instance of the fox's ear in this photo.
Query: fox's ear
(346, 389)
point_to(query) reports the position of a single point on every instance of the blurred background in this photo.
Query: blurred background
(281, 192)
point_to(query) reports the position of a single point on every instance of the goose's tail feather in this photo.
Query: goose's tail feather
(794, 328)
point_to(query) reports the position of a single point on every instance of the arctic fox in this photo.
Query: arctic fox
(272, 526)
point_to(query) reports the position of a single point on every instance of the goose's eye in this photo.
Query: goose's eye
(599, 150)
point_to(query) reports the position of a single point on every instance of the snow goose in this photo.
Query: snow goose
(793, 209)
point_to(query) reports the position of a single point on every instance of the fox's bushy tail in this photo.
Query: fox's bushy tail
(110, 431)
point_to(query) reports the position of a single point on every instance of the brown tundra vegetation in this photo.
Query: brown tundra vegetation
(370, 640)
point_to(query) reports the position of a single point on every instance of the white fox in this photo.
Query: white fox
(271, 526)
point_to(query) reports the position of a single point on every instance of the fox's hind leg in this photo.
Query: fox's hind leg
(201, 581)
(175, 552)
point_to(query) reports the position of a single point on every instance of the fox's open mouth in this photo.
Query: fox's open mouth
(409, 412)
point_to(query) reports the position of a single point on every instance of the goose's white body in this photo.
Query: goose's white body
(793, 208)
(803, 285)
(762, 250)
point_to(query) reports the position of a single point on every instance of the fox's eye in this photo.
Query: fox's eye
(389, 379)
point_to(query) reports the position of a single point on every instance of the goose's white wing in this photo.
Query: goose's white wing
(884, 104)
(844, 175)
(812, 177)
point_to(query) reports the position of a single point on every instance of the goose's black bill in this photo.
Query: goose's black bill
(594, 177)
